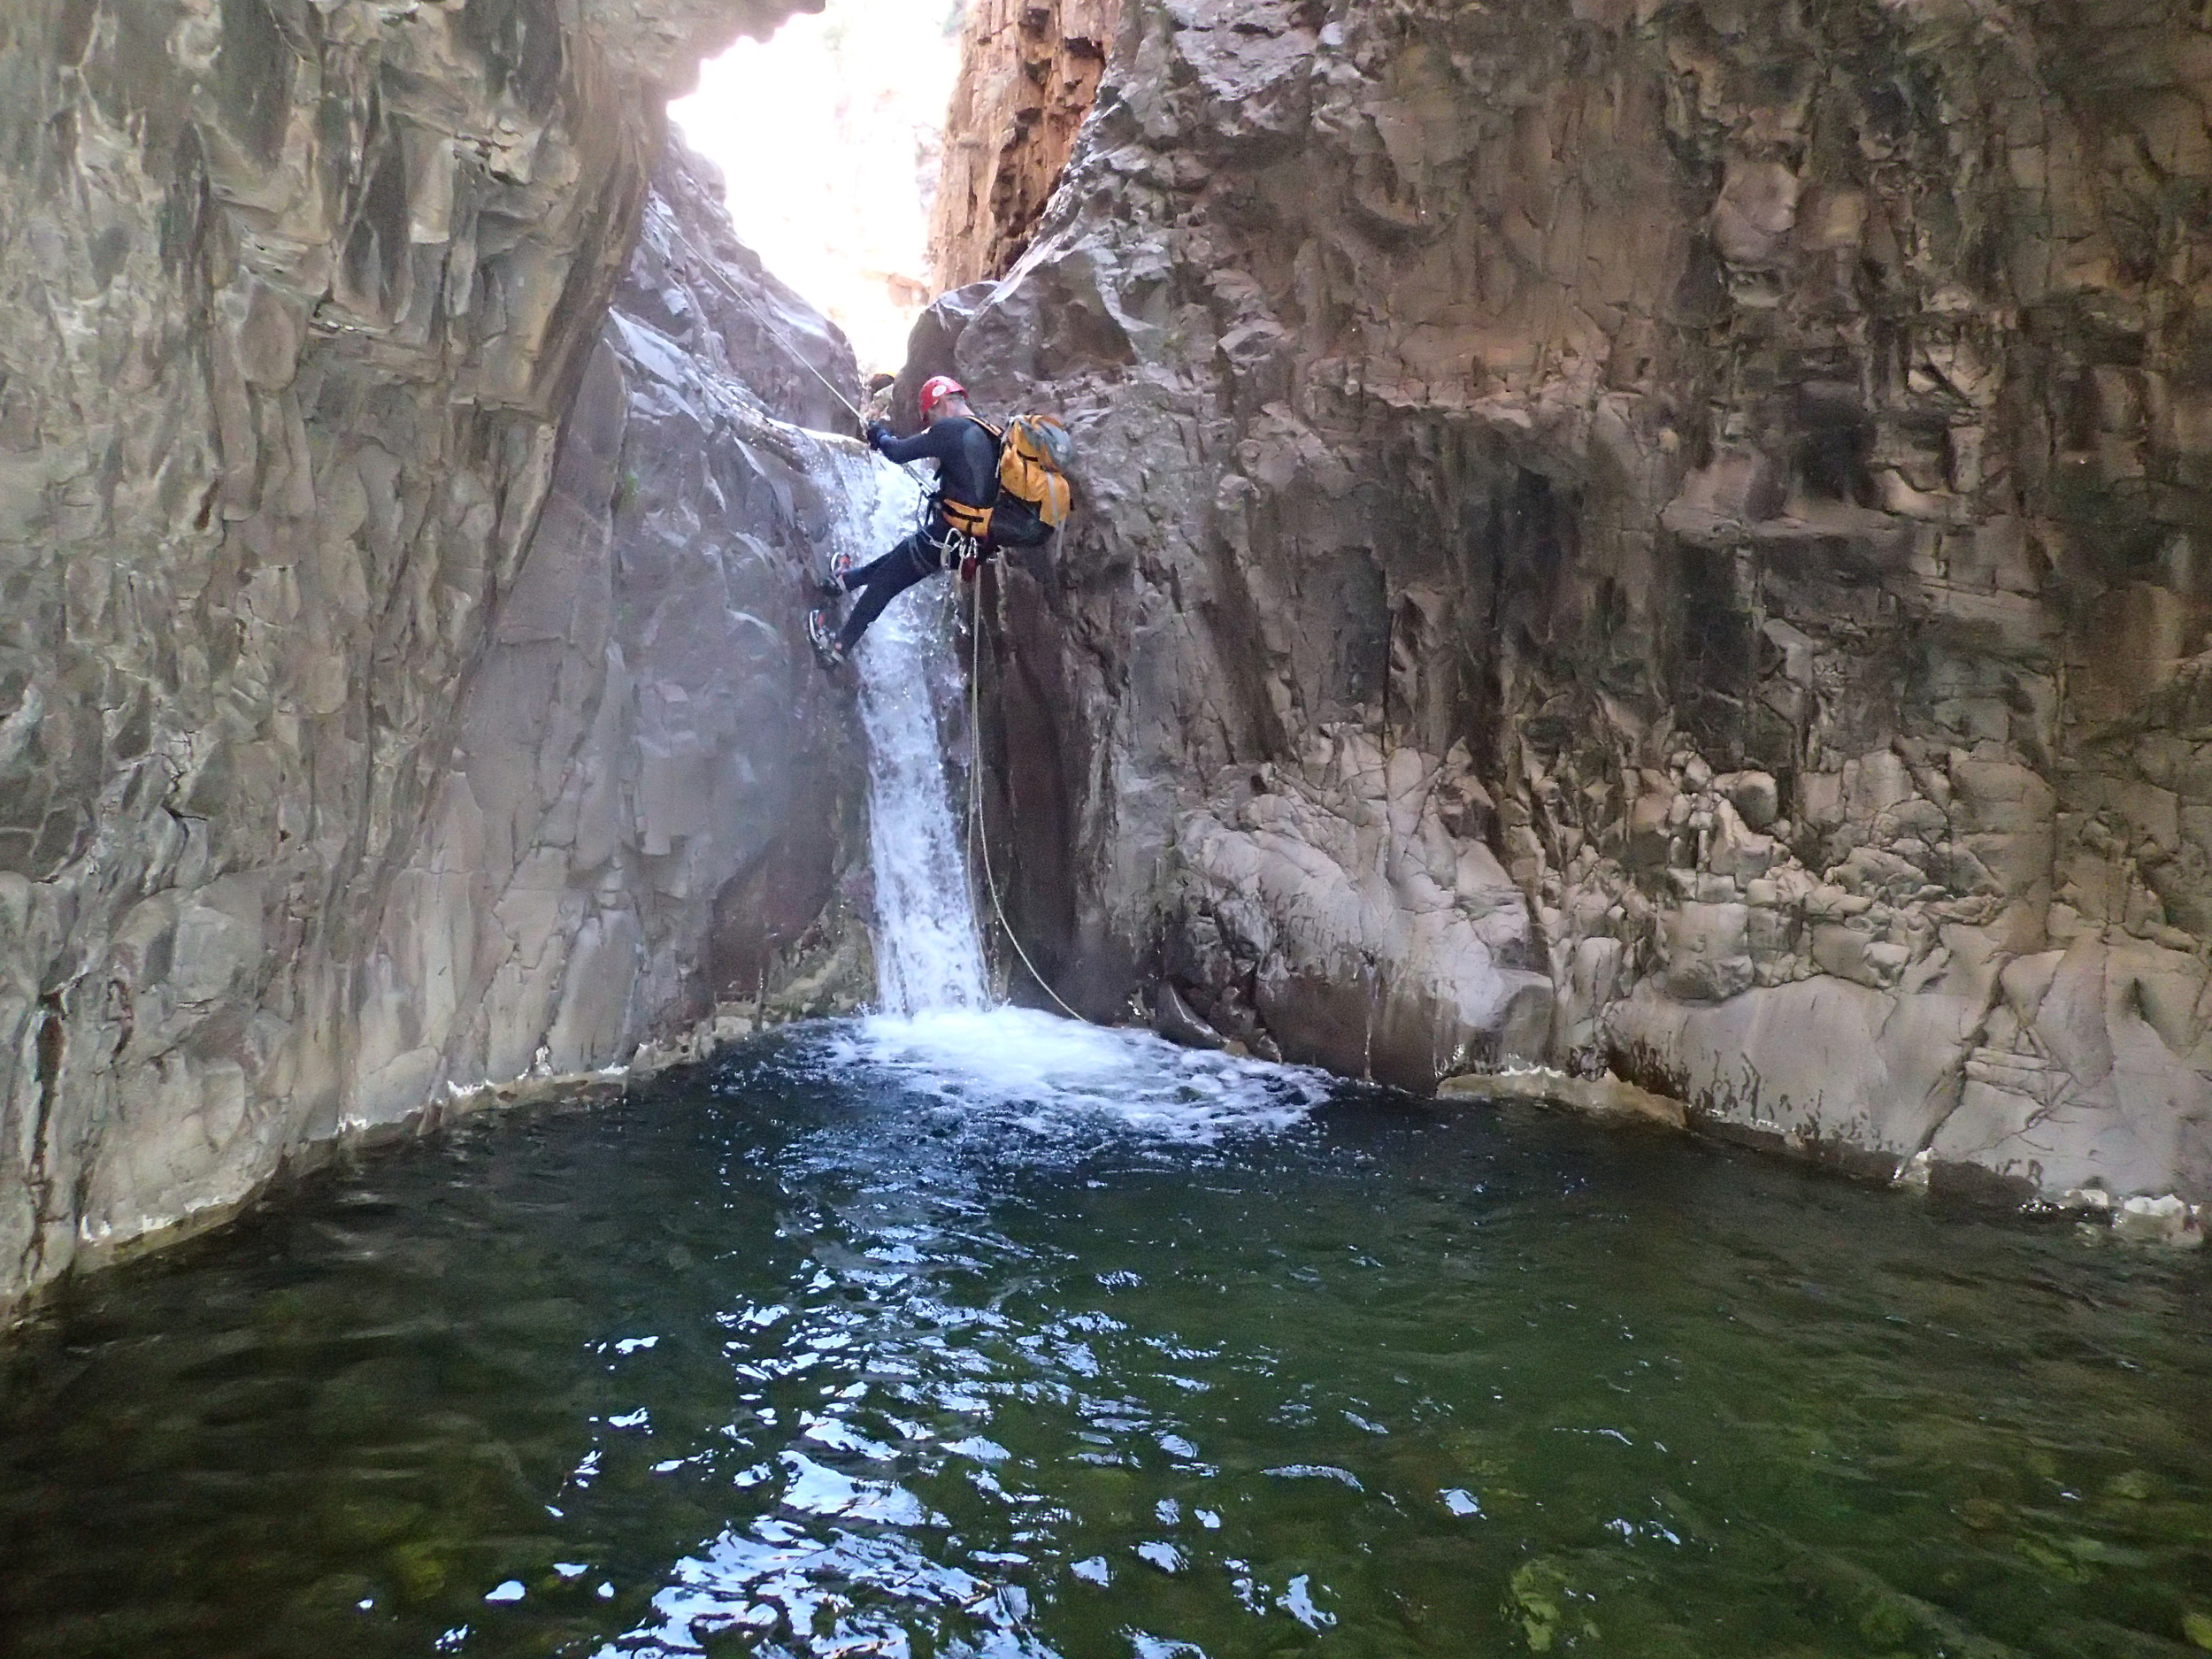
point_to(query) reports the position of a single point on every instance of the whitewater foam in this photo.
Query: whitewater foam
(928, 952)
(1045, 1074)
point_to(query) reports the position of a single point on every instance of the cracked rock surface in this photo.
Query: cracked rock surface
(1028, 72)
(1669, 534)
(396, 691)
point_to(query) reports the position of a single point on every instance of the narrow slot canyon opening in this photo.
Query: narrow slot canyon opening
(869, 156)
(828, 139)
(829, 136)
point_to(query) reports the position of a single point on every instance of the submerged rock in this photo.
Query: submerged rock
(2163, 1220)
(1599, 1097)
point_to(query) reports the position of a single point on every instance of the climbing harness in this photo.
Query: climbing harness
(972, 522)
(979, 838)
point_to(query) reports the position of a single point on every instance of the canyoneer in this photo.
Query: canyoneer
(996, 488)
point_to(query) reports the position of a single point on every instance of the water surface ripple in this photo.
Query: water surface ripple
(982, 1334)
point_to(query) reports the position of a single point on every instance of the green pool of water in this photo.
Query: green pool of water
(1043, 1343)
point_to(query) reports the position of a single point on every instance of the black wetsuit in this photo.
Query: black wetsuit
(967, 472)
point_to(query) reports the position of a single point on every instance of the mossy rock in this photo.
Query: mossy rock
(420, 1570)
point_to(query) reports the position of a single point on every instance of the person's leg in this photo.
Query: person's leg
(882, 582)
(853, 580)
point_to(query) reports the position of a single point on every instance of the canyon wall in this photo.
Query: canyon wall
(395, 692)
(1668, 535)
(1028, 72)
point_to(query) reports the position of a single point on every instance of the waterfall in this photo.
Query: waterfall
(928, 954)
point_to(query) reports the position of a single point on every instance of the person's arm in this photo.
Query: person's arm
(939, 442)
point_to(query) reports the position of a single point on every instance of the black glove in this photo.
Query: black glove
(879, 434)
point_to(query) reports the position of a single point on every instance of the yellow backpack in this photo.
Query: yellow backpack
(1033, 492)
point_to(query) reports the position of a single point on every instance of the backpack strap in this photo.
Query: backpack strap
(970, 521)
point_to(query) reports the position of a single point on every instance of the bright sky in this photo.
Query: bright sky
(828, 137)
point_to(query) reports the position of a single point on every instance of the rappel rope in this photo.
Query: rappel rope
(978, 836)
(713, 268)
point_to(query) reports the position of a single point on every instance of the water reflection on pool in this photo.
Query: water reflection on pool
(985, 1334)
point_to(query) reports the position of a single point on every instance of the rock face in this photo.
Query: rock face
(651, 796)
(395, 692)
(1692, 516)
(1028, 72)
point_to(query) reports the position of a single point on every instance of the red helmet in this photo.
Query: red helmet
(935, 389)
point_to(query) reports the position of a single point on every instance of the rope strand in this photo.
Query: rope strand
(978, 835)
(714, 269)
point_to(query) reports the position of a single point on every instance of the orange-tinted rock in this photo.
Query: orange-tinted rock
(1029, 70)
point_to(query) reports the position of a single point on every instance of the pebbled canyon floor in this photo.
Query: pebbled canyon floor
(983, 1334)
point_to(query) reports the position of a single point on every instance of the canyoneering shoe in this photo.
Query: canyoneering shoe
(841, 563)
(823, 636)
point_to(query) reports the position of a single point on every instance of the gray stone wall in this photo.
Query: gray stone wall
(1662, 535)
(392, 688)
